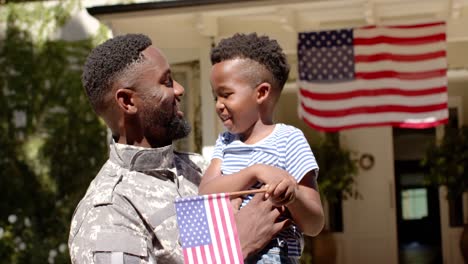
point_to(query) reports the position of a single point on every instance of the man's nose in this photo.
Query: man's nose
(178, 89)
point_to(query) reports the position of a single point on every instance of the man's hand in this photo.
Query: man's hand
(256, 224)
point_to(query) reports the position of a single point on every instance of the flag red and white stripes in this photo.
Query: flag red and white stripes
(373, 76)
(207, 229)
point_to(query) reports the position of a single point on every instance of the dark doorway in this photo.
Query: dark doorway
(419, 234)
(418, 213)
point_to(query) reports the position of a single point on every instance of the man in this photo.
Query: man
(127, 214)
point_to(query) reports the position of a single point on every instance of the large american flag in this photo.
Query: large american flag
(373, 76)
(207, 229)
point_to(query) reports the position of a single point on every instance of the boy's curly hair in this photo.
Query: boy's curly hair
(261, 49)
(106, 61)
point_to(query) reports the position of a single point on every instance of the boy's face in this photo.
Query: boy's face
(235, 95)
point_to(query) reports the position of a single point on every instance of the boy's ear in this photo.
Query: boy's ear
(126, 100)
(264, 91)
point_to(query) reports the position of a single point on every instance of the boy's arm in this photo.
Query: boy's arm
(212, 172)
(276, 178)
(213, 182)
(306, 209)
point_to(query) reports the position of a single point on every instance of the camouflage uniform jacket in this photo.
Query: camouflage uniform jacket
(128, 214)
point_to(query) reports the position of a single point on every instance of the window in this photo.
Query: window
(414, 204)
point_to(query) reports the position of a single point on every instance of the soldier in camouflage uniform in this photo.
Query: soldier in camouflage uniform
(128, 214)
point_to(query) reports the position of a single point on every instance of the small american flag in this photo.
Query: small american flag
(207, 229)
(373, 76)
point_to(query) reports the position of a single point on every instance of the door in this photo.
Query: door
(417, 205)
(418, 215)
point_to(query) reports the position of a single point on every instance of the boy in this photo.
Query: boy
(247, 77)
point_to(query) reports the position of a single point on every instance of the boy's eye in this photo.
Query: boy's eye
(223, 95)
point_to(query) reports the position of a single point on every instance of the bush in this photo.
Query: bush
(51, 142)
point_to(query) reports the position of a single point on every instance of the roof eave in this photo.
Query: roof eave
(125, 8)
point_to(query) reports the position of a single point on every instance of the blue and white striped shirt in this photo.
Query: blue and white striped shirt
(285, 148)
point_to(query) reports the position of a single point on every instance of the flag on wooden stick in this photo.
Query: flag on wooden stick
(207, 229)
(373, 76)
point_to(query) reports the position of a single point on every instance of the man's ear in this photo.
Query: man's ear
(263, 90)
(126, 100)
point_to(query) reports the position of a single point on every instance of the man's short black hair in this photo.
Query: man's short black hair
(107, 60)
(261, 49)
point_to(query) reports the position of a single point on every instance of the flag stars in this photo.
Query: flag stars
(327, 55)
(192, 222)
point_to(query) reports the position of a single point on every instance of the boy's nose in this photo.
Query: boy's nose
(219, 105)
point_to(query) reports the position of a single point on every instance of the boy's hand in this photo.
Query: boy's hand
(283, 197)
(283, 194)
(281, 186)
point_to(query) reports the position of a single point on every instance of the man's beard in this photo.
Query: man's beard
(178, 128)
(175, 127)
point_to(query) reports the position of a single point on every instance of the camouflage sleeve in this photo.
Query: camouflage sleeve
(101, 239)
(119, 258)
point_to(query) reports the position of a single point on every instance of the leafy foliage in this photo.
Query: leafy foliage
(337, 169)
(447, 161)
(336, 181)
(51, 142)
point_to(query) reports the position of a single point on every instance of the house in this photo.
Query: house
(396, 207)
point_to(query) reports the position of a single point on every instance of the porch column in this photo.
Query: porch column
(209, 118)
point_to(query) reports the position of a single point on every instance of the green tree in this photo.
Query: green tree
(51, 142)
